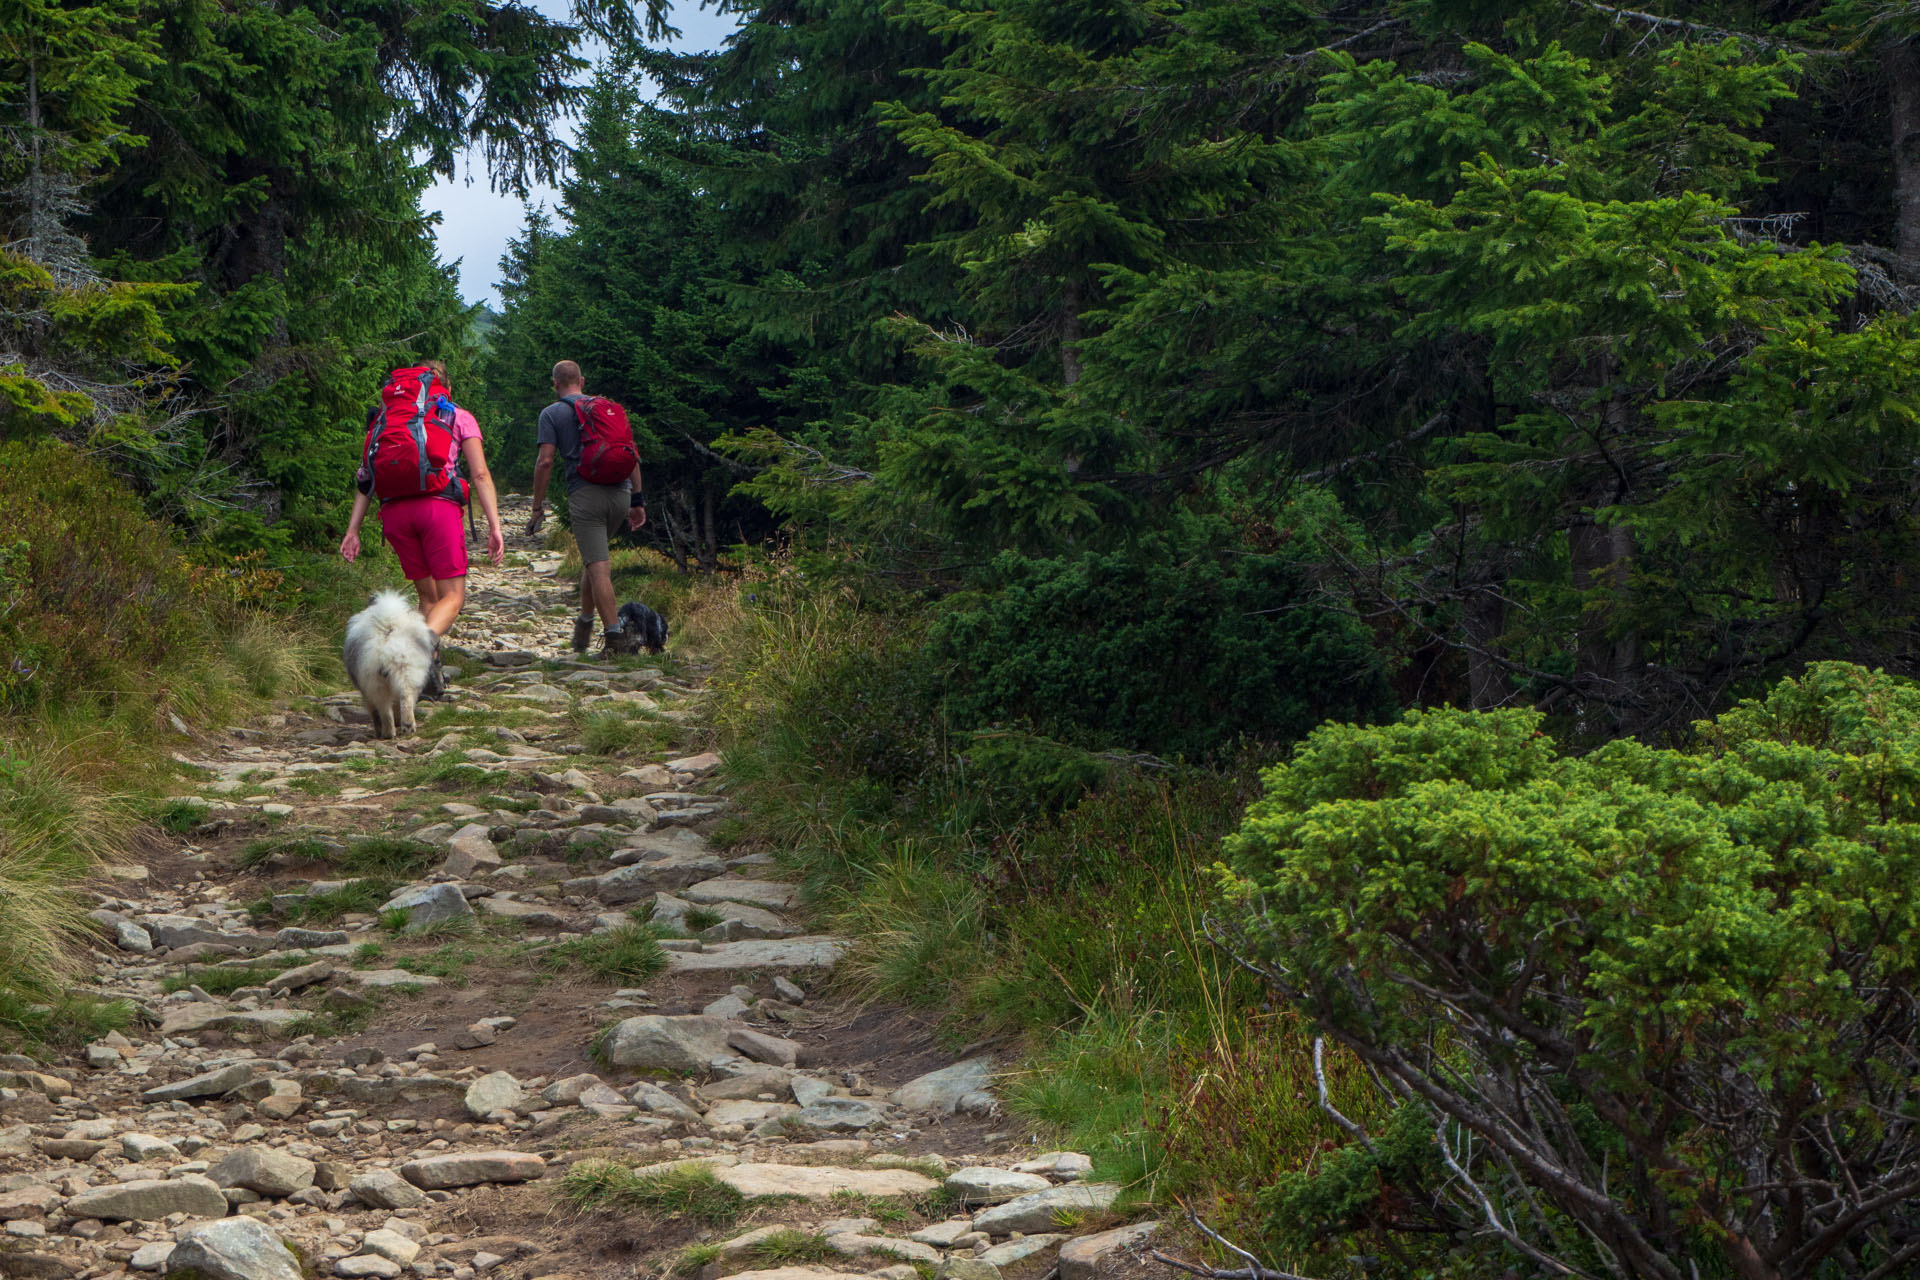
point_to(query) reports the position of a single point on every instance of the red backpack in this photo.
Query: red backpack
(410, 448)
(607, 452)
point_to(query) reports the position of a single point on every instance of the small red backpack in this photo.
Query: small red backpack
(410, 448)
(608, 454)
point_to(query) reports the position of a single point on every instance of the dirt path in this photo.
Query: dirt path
(393, 1006)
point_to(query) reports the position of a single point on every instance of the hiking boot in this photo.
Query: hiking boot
(436, 687)
(618, 643)
(582, 633)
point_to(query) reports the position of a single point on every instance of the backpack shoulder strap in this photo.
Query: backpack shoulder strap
(582, 406)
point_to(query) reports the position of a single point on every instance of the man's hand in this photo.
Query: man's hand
(636, 517)
(350, 547)
(539, 518)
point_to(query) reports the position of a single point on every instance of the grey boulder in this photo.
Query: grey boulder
(233, 1249)
(662, 1042)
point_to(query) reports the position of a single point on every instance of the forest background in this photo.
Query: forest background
(1087, 401)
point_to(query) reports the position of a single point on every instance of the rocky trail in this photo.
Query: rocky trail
(387, 1019)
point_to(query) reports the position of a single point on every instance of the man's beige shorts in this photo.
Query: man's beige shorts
(594, 512)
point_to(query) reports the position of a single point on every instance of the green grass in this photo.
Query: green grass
(449, 771)
(696, 1256)
(698, 918)
(615, 733)
(356, 897)
(305, 849)
(225, 981)
(368, 954)
(62, 1024)
(690, 1191)
(884, 1209)
(448, 962)
(394, 919)
(316, 784)
(178, 817)
(791, 1248)
(630, 953)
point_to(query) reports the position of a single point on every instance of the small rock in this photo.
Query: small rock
(1016, 1251)
(385, 1189)
(149, 1199)
(941, 1091)
(1039, 1210)
(233, 1249)
(981, 1185)
(764, 1048)
(391, 1245)
(210, 1085)
(367, 1264)
(495, 1091)
(468, 1169)
(788, 990)
(269, 1172)
(152, 1255)
(429, 906)
(1089, 1257)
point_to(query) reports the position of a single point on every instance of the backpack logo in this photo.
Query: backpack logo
(410, 449)
(608, 454)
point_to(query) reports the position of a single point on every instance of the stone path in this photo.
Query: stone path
(383, 1018)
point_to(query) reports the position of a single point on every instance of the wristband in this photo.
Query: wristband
(635, 500)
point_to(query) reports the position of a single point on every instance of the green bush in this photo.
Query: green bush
(1153, 649)
(1652, 1010)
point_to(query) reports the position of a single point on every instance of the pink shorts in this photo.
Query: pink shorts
(426, 534)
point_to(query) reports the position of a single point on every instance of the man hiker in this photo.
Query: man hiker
(574, 425)
(421, 495)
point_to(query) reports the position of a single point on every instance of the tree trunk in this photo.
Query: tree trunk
(1602, 559)
(1070, 334)
(709, 541)
(1902, 61)
(1484, 619)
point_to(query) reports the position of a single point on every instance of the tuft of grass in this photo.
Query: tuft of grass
(791, 1248)
(630, 953)
(448, 962)
(698, 918)
(451, 769)
(60, 1025)
(696, 1256)
(225, 981)
(394, 919)
(368, 954)
(178, 817)
(689, 1191)
(258, 851)
(356, 897)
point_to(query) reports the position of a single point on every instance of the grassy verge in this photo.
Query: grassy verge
(688, 1191)
(1053, 896)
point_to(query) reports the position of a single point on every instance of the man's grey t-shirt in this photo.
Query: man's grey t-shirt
(560, 427)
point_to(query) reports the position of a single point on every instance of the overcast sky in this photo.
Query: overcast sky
(475, 223)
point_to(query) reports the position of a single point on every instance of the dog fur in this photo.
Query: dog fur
(389, 655)
(644, 625)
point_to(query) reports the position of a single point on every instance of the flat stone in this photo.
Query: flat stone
(852, 1246)
(270, 1172)
(495, 1091)
(940, 1091)
(747, 1111)
(1064, 1166)
(661, 1042)
(1016, 1251)
(142, 1147)
(652, 1098)
(429, 906)
(1091, 1257)
(699, 766)
(385, 1189)
(967, 1269)
(209, 1085)
(774, 895)
(200, 1016)
(821, 1182)
(642, 880)
(384, 979)
(391, 1245)
(764, 1048)
(152, 1256)
(786, 953)
(1037, 1211)
(233, 1249)
(469, 1169)
(842, 1115)
(293, 938)
(129, 936)
(565, 1093)
(148, 1199)
(301, 976)
(367, 1264)
(942, 1234)
(982, 1184)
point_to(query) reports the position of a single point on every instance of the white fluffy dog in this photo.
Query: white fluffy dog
(389, 655)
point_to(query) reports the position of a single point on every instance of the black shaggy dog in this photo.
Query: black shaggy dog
(644, 625)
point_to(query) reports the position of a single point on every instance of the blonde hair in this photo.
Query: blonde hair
(439, 368)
